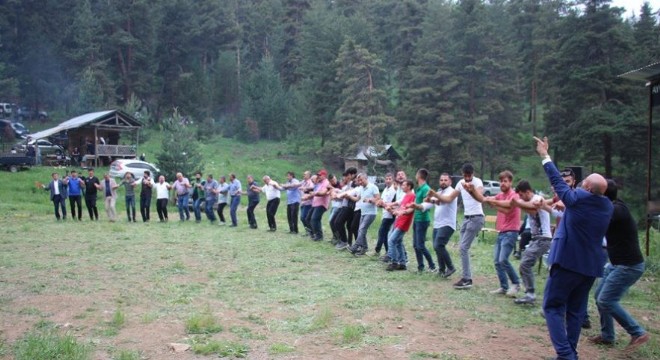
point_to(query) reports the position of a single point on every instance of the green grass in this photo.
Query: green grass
(279, 348)
(50, 345)
(221, 348)
(202, 323)
(127, 355)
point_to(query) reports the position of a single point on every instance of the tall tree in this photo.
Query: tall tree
(291, 56)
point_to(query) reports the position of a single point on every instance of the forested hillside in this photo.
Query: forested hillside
(448, 81)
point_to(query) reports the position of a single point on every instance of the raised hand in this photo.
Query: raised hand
(542, 146)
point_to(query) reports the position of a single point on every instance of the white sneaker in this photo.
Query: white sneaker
(499, 291)
(513, 290)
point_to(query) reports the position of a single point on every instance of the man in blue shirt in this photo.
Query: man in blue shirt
(211, 192)
(293, 196)
(75, 185)
(235, 195)
(576, 255)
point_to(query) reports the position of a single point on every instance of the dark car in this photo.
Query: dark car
(17, 129)
(25, 113)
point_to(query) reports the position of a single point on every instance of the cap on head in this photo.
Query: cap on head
(322, 172)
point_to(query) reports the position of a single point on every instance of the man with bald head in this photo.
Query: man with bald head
(576, 256)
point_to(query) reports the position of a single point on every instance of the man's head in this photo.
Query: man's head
(232, 176)
(524, 190)
(290, 175)
(147, 173)
(250, 178)
(569, 177)
(128, 176)
(400, 176)
(595, 184)
(612, 190)
(266, 179)
(352, 172)
(209, 177)
(468, 171)
(361, 179)
(421, 175)
(90, 172)
(407, 185)
(307, 175)
(322, 175)
(333, 179)
(506, 179)
(223, 179)
(106, 176)
(198, 175)
(445, 181)
(55, 176)
(388, 179)
(74, 174)
(314, 178)
(179, 176)
(161, 179)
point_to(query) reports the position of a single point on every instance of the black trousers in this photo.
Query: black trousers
(59, 203)
(161, 208)
(271, 210)
(221, 209)
(355, 226)
(145, 206)
(292, 216)
(75, 200)
(252, 204)
(90, 203)
(341, 223)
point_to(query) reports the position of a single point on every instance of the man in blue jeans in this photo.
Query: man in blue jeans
(198, 196)
(444, 224)
(387, 219)
(507, 226)
(421, 222)
(181, 186)
(235, 196)
(626, 266)
(368, 197)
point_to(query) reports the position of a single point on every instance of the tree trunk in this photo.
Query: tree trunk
(607, 155)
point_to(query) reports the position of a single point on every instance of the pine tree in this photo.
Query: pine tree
(180, 150)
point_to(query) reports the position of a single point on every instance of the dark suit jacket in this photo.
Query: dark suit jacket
(63, 189)
(577, 245)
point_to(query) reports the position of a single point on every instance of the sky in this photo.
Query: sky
(633, 6)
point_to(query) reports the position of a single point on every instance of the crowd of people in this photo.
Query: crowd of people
(592, 225)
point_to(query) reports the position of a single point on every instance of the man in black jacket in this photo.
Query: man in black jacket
(626, 266)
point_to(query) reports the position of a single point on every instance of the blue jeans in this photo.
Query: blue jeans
(419, 240)
(383, 231)
(616, 281)
(210, 214)
(504, 246)
(182, 205)
(130, 206)
(235, 201)
(469, 231)
(565, 307)
(197, 209)
(317, 214)
(441, 237)
(304, 211)
(396, 251)
(365, 222)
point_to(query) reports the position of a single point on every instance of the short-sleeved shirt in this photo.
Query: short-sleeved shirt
(510, 221)
(368, 193)
(445, 213)
(471, 206)
(271, 191)
(388, 195)
(420, 195)
(197, 192)
(357, 206)
(307, 184)
(293, 193)
(180, 186)
(234, 188)
(146, 191)
(404, 221)
(162, 192)
(251, 194)
(90, 189)
(209, 195)
(74, 186)
(222, 196)
(539, 224)
(322, 200)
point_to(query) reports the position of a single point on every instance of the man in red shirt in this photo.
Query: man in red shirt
(404, 218)
(507, 226)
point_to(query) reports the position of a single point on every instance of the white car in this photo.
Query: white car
(491, 187)
(120, 167)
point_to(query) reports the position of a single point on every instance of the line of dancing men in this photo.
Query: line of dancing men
(354, 201)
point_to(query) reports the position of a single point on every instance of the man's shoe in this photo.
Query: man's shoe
(360, 252)
(586, 324)
(516, 255)
(448, 273)
(513, 290)
(528, 299)
(341, 246)
(499, 291)
(637, 341)
(433, 271)
(598, 340)
(392, 267)
(385, 259)
(463, 284)
(401, 267)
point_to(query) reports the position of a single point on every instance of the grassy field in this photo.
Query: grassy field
(100, 290)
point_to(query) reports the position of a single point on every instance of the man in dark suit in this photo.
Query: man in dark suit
(576, 256)
(58, 193)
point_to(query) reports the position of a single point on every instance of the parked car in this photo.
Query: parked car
(45, 147)
(6, 109)
(491, 187)
(18, 129)
(14, 162)
(25, 113)
(120, 167)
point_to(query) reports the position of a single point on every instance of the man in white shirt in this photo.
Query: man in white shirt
(272, 191)
(367, 198)
(473, 218)
(162, 197)
(387, 219)
(444, 224)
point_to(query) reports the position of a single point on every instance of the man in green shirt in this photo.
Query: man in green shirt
(421, 222)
